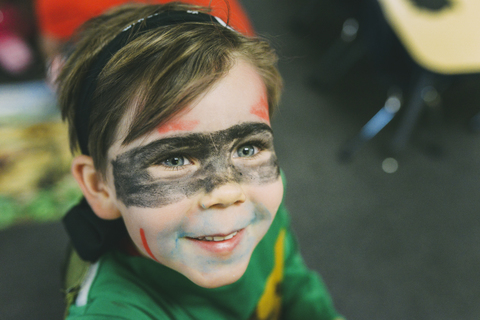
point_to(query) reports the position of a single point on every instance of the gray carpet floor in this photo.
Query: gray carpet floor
(393, 246)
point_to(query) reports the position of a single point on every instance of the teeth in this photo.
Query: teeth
(230, 236)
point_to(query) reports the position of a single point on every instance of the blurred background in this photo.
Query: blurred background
(377, 134)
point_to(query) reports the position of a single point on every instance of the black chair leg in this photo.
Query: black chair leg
(339, 58)
(435, 117)
(474, 123)
(412, 112)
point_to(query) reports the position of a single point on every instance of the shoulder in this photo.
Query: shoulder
(114, 288)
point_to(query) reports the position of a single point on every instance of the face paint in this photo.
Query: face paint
(255, 217)
(260, 109)
(179, 125)
(136, 186)
(145, 244)
(160, 182)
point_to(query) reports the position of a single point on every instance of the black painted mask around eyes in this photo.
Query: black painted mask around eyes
(135, 186)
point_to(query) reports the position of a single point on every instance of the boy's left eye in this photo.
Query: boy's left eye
(247, 151)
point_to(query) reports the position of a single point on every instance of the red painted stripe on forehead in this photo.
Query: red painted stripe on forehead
(145, 244)
(260, 109)
(178, 125)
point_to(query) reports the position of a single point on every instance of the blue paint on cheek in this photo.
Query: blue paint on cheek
(168, 244)
(176, 249)
(262, 213)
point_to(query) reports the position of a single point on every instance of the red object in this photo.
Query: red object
(12, 20)
(59, 19)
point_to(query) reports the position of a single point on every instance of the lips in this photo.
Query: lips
(218, 238)
(220, 243)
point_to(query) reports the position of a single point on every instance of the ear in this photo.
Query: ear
(96, 191)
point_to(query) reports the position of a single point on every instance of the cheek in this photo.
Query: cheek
(150, 226)
(270, 195)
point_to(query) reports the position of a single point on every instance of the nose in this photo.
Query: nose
(223, 196)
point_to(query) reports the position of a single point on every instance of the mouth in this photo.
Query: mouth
(217, 237)
(223, 244)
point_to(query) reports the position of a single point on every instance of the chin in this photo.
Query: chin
(219, 277)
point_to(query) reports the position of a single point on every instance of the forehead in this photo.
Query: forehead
(240, 96)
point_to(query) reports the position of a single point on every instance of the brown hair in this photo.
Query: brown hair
(155, 75)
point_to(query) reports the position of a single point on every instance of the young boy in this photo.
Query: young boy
(171, 111)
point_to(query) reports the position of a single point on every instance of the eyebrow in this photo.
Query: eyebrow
(194, 142)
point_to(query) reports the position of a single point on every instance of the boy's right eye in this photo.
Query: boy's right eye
(176, 162)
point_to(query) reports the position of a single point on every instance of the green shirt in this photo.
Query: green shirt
(275, 285)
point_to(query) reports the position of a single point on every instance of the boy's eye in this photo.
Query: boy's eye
(176, 161)
(247, 150)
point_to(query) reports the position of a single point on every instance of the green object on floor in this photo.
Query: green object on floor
(46, 205)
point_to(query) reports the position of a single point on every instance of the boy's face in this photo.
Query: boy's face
(201, 191)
